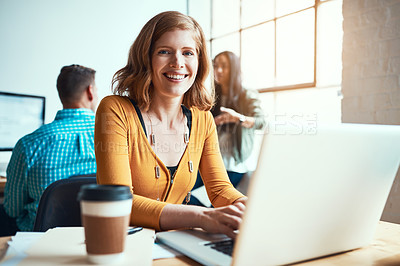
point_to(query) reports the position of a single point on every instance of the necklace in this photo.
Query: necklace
(157, 170)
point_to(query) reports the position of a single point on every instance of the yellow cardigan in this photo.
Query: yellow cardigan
(124, 157)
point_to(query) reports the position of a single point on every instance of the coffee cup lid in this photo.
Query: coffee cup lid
(95, 192)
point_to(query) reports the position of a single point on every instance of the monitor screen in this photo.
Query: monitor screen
(20, 115)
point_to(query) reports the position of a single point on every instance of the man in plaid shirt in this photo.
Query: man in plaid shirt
(55, 151)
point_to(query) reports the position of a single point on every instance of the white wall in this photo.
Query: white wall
(39, 37)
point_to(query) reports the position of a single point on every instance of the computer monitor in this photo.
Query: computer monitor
(20, 115)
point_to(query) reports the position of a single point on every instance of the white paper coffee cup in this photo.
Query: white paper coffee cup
(105, 211)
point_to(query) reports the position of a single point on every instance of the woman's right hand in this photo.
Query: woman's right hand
(225, 220)
(222, 220)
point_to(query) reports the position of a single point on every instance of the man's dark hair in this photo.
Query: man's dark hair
(73, 81)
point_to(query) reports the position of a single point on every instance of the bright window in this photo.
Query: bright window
(290, 50)
(259, 57)
(283, 44)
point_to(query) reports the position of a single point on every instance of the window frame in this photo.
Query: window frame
(317, 4)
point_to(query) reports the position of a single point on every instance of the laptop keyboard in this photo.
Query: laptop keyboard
(224, 246)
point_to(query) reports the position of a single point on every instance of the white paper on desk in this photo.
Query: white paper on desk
(23, 240)
(65, 246)
(18, 245)
(58, 246)
(161, 251)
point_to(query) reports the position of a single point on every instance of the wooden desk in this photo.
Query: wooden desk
(384, 250)
(3, 246)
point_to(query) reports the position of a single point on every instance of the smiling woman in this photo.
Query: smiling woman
(157, 132)
(135, 78)
(175, 62)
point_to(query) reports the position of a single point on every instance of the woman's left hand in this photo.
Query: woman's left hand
(227, 115)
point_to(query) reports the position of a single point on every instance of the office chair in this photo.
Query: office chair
(58, 205)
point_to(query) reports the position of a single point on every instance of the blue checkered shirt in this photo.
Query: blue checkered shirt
(55, 151)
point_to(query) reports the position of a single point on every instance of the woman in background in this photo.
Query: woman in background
(157, 132)
(237, 114)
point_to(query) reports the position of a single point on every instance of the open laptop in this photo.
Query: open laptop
(312, 194)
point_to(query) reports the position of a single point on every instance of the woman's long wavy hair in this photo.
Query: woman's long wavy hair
(235, 80)
(134, 80)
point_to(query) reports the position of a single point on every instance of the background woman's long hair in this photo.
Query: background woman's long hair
(235, 83)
